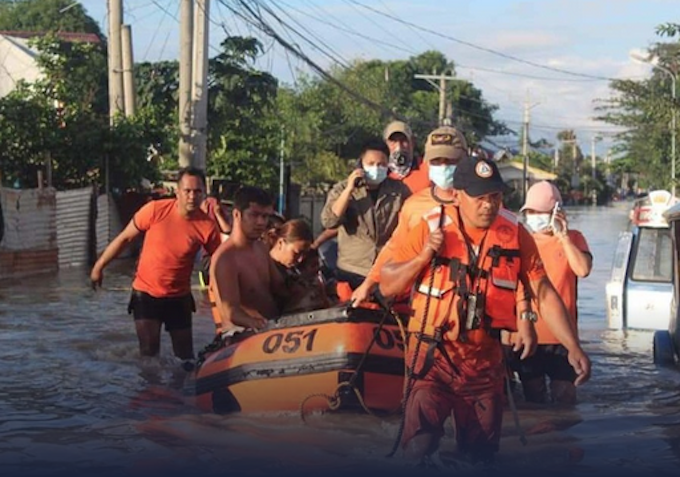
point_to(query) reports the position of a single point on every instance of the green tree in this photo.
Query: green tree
(326, 127)
(46, 16)
(644, 108)
(243, 143)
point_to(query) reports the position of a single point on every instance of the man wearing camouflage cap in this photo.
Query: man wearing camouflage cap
(403, 164)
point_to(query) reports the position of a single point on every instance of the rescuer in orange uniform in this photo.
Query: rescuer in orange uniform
(463, 265)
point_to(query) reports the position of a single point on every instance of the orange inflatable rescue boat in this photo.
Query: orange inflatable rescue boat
(352, 356)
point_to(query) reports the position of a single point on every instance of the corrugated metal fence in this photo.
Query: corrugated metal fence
(310, 208)
(107, 224)
(74, 222)
(45, 230)
(30, 219)
(29, 242)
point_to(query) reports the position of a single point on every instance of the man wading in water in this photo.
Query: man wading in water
(175, 230)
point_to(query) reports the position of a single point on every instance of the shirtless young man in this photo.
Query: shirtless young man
(241, 272)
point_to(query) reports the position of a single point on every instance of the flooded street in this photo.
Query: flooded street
(75, 398)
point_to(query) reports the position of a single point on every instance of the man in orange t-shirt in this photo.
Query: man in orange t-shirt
(175, 230)
(566, 258)
(466, 373)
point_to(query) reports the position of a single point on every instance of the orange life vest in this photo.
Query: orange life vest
(462, 274)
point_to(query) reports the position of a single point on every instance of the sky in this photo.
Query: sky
(555, 56)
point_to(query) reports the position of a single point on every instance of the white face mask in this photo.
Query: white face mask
(537, 222)
(375, 174)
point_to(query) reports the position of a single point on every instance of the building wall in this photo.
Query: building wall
(18, 63)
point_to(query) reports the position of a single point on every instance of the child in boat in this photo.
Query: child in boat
(308, 288)
(299, 267)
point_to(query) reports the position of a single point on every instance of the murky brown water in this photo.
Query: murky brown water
(75, 398)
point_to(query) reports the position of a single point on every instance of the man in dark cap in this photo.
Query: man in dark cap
(463, 265)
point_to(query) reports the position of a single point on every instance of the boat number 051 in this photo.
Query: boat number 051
(289, 342)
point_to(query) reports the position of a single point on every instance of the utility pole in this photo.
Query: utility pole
(129, 90)
(525, 146)
(199, 89)
(185, 72)
(594, 139)
(441, 86)
(115, 61)
(282, 172)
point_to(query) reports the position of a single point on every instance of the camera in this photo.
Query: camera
(400, 158)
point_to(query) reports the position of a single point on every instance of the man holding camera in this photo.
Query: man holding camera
(402, 163)
(364, 208)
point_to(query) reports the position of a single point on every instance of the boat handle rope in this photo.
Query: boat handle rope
(335, 400)
(411, 371)
(513, 406)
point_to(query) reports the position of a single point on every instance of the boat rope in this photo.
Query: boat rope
(513, 408)
(411, 370)
(335, 400)
(218, 342)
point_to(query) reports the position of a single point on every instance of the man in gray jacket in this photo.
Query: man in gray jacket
(364, 208)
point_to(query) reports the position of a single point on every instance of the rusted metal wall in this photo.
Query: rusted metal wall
(74, 219)
(29, 244)
(30, 218)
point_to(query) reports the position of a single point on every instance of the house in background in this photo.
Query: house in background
(18, 59)
(17, 63)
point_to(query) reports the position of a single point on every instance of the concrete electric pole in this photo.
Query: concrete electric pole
(186, 37)
(129, 89)
(525, 146)
(115, 59)
(441, 86)
(199, 84)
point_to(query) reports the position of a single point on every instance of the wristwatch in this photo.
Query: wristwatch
(529, 316)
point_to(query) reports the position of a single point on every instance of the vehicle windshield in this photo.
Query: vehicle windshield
(653, 256)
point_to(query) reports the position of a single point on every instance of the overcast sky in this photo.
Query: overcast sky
(556, 52)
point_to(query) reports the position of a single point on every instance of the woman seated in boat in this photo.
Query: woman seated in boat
(299, 266)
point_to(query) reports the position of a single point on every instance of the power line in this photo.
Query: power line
(346, 29)
(478, 47)
(267, 29)
(333, 55)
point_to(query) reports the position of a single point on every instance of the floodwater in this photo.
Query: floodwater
(75, 398)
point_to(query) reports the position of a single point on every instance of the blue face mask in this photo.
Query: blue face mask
(442, 175)
(375, 174)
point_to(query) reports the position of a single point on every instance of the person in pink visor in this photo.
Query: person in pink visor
(566, 258)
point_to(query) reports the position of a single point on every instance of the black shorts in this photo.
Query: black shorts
(175, 312)
(548, 360)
